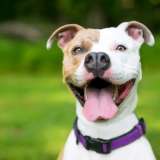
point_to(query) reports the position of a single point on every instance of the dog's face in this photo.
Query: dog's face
(102, 66)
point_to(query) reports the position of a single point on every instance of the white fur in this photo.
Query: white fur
(124, 66)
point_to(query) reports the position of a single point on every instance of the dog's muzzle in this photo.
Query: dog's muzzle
(100, 97)
(97, 63)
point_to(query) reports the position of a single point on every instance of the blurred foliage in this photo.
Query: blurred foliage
(96, 13)
(19, 56)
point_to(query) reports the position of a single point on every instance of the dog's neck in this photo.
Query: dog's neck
(116, 127)
(110, 130)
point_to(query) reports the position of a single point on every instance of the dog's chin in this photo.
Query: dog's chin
(99, 94)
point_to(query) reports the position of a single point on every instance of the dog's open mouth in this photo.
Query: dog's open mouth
(100, 99)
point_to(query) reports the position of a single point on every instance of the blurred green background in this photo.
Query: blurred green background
(36, 109)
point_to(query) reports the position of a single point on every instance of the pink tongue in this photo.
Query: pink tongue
(99, 104)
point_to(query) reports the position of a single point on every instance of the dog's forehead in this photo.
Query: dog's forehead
(101, 35)
(88, 34)
(114, 35)
(109, 37)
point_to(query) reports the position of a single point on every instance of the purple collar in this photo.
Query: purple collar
(106, 146)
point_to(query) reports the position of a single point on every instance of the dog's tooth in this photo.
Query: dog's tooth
(115, 93)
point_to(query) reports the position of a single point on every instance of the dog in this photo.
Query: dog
(102, 67)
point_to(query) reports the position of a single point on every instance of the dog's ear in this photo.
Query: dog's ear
(138, 30)
(63, 35)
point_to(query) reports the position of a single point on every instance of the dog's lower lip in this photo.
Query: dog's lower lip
(98, 83)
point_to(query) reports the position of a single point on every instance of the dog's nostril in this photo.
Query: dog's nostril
(89, 59)
(103, 59)
(90, 62)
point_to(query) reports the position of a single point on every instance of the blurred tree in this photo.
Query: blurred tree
(92, 13)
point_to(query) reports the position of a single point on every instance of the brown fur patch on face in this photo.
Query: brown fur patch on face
(85, 39)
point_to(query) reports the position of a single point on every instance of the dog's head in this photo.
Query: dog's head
(102, 66)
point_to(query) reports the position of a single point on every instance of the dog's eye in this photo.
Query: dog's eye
(77, 50)
(121, 48)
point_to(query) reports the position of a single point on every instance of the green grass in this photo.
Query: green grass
(36, 115)
(31, 123)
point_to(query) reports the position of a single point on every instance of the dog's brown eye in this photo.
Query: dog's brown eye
(77, 50)
(121, 48)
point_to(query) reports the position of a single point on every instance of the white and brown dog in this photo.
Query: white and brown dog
(102, 67)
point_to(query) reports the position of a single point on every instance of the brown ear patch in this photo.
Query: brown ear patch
(64, 34)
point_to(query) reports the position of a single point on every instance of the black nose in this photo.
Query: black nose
(97, 62)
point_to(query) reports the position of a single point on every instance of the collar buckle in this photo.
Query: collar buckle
(91, 144)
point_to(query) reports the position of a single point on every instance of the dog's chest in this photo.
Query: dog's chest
(140, 149)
